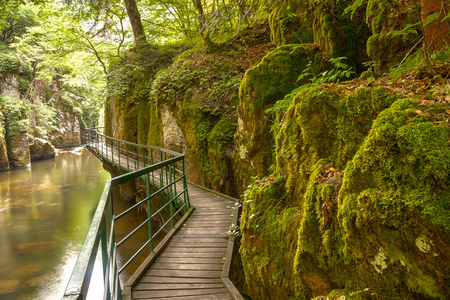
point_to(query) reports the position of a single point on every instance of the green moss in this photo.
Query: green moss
(220, 149)
(15, 114)
(342, 36)
(262, 86)
(398, 180)
(268, 240)
(9, 60)
(383, 16)
(363, 243)
(200, 91)
(277, 74)
(154, 127)
(322, 124)
(129, 84)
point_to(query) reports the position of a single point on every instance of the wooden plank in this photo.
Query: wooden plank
(176, 293)
(223, 227)
(183, 266)
(223, 296)
(199, 245)
(227, 218)
(213, 236)
(196, 231)
(194, 255)
(215, 211)
(159, 279)
(183, 273)
(194, 239)
(191, 260)
(176, 286)
(194, 250)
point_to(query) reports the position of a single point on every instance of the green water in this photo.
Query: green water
(45, 211)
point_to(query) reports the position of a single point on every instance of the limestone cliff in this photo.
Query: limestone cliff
(48, 112)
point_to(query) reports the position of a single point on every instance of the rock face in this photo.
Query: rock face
(41, 149)
(383, 16)
(18, 150)
(4, 162)
(9, 85)
(344, 190)
(15, 124)
(19, 118)
(69, 126)
(358, 200)
(263, 85)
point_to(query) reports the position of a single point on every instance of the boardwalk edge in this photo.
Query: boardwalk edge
(151, 258)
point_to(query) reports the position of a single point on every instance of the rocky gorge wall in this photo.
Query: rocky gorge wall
(30, 130)
(344, 185)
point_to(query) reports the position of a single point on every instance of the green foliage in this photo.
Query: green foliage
(15, 114)
(339, 70)
(9, 60)
(67, 102)
(354, 6)
(168, 20)
(17, 24)
(46, 119)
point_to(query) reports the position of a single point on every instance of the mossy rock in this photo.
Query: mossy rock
(268, 240)
(154, 126)
(196, 99)
(324, 123)
(339, 34)
(393, 205)
(377, 230)
(129, 84)
(262, 86)
(4, 162)
(290, 24)
(384, 16)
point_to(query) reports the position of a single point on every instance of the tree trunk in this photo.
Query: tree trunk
(210, 45)
(136, 24)
(436, 33)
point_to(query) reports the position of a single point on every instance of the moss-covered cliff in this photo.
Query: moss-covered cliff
(351, 196)
(344, 184)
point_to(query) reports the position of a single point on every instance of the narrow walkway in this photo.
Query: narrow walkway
(194, 262)
(191, 265)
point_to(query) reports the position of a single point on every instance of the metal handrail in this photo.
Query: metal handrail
(157, 172)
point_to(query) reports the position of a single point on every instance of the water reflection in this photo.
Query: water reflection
(45, 211)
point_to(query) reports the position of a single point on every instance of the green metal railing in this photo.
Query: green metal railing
(162, 171)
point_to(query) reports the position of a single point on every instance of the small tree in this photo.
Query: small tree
(210, 45)
(136, 24)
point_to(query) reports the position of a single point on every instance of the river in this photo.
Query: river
(45, 212)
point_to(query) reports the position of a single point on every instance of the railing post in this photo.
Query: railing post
(104, 245)
(128, 159)
(149, 212)
(186, 198)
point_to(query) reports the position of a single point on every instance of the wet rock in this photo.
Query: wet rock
(4, 163)
(9, 286)
(9, 85)
(41, 149)
(37, 248)
(19, 152)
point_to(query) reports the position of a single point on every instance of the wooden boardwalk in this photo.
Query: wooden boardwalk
(191, 266)
(193, 261)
